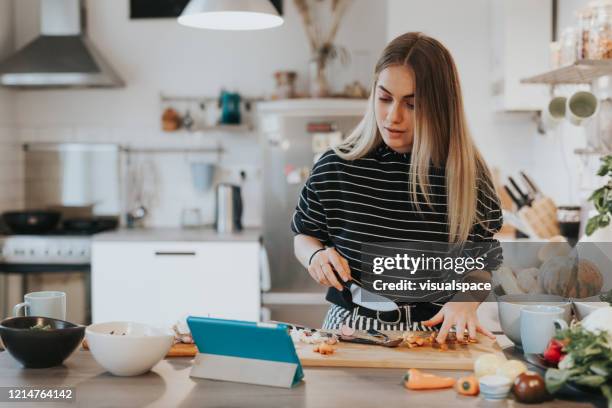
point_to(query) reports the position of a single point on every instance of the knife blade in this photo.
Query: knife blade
(374, 301)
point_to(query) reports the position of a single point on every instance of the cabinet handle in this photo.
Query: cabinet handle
(174, 253)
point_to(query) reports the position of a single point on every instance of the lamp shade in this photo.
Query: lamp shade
(230, 15)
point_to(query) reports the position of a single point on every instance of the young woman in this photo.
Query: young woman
(409, 172)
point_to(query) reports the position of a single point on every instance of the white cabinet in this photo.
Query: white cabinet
(159, 282)
(520, 36)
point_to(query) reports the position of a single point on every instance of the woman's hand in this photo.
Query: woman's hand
(460, 315)
(320, 268)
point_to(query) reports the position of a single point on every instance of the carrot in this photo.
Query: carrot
(417, 380)
(467, 386)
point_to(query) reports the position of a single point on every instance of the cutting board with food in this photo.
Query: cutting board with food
(416, 350)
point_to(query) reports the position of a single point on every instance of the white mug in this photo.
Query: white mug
(43, 304)
(554, 112)
(538, 325)
(581, 106)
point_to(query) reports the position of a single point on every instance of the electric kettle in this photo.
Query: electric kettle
(228, 209)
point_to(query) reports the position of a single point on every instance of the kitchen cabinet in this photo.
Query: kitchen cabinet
(159, 282)
(520, 36)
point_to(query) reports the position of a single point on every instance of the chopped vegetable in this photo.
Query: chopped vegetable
(41, 327)
(467, 386)
(324, 349)
(417, 380)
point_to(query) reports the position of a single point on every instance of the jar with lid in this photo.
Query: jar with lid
(568, 45)
(584, 17)
(600, 35)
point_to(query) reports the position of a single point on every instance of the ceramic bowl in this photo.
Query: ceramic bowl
(584, 307)
(127, 348)
(40, 348)
(494, 387)
(510, 311)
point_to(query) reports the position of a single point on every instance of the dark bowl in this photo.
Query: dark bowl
(35, 348)
(31, 221)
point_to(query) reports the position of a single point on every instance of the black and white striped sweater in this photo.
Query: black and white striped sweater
(346, 204)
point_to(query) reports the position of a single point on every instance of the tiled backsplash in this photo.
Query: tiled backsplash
(11, 170)
(169, 173)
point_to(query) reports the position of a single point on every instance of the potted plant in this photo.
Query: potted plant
(602, 200)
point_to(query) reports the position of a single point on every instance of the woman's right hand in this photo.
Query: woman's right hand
(320, 268)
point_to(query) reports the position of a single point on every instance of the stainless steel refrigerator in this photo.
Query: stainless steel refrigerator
(291, 143)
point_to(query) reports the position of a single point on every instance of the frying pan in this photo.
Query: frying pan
(31, 221)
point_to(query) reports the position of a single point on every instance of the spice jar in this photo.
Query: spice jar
(568, 46)
(584, 17)
(600, 35)
(285, 84)
(555, 54)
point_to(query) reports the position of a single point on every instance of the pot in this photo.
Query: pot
(31, 221)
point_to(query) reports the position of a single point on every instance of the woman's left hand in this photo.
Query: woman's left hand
(462, 315)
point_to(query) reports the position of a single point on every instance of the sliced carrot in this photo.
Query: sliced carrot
(417, 380)
(467, 386)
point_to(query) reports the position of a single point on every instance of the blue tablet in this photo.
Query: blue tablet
(261, 353)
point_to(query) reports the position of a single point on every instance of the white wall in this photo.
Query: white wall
(156, 56)
(508, 141)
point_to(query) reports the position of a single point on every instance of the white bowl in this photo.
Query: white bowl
(131, 349)
(584, 307)
(510, 311)
(494, 387)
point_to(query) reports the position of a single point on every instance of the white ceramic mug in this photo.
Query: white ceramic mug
(554, 112)
(43, 304)
(538, 325)
(581, 106)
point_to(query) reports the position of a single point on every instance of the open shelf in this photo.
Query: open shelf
(580, 72)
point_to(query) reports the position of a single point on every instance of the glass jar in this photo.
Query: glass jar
(600, 35)
(584, 17)
(568, 46)
(555, 54)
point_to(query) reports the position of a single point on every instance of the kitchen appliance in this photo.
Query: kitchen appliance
(31, 222)
(230, 108)
(62, 56)
(228, 209)
(294, 133)
(83, 177)
(73, 174)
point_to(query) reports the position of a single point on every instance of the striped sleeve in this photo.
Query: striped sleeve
(309, 217)
(490, 222)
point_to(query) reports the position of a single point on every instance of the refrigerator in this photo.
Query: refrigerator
(292, 141)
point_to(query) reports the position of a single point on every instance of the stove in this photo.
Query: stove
(45, 249)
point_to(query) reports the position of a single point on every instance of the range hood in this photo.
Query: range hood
(62, 56)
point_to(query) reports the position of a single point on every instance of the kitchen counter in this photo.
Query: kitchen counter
(169, 385)
(177, 235)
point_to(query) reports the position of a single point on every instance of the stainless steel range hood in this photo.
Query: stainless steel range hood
(62, 56)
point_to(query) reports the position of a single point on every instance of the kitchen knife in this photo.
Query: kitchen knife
(516, 201)
(367, 299)
(530, 182)
(525, 197)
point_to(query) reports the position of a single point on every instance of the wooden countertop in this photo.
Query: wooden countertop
(169, 385)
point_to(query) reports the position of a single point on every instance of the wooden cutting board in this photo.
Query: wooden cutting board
(457, 357)
(363, 355)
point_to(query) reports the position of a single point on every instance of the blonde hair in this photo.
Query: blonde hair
(441, 134)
